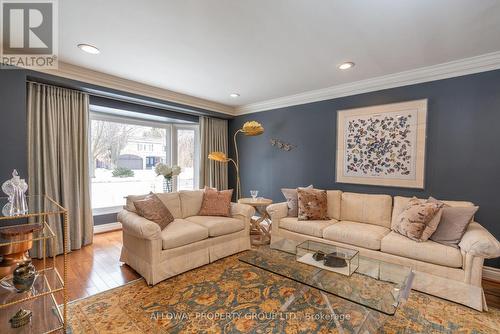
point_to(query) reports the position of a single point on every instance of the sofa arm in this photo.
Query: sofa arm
(238, 209)
(138, 226)
(479, 242)
(278, 210)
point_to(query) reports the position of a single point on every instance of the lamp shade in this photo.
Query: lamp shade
(218, 156)
(252, 128)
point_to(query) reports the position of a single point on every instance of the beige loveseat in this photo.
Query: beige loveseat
(363, 222)
(188, 242)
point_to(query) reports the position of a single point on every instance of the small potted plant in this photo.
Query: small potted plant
(168, 172)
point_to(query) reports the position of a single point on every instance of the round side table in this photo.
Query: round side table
(260, 205)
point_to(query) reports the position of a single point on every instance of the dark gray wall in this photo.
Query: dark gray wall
(13, 141)
(463, 144)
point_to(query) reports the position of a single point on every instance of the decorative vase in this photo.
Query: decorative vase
(167, 185)
(15, 188)
(24, 276)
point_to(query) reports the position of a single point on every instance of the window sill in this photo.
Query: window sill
(106, 211)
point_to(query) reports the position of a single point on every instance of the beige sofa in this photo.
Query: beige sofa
(188, 242)
(363, 222)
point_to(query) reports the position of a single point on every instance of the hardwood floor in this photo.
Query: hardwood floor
(97, 268)
(492, 293)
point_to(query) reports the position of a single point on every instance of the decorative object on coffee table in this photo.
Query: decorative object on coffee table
(262, 235)
(251, 128)
(338, 259)
(319, 256)
(168, 173)
(382, 145)
(334, 260)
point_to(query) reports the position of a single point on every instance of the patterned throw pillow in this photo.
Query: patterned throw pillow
(292, 200)
(152, 208)
(312, 204)
(129, 206)
(216, 203)
(419, 219)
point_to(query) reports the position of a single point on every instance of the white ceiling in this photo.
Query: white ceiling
(266, 49)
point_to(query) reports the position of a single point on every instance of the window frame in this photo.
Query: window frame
(171, 141)
(196, 164)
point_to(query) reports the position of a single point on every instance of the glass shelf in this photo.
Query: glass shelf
(18, 235)
(45, 318)
(38, 205)
(47, 281)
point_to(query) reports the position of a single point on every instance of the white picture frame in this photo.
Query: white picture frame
(382, 145)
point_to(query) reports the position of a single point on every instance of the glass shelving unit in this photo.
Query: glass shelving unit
(43, 215)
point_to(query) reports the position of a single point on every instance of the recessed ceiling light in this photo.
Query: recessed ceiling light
(234, 95)
(89, 48)
(346, 65)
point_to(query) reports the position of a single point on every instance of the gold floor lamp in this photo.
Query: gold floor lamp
(248, 129)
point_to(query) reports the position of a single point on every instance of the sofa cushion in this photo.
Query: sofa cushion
(181, 232)
(190, 202)
(366, 208)
(357, 234)
(427, 251)
(401, 202)
(310, 227)
(218, 225)
(334, 200)
(172, 202)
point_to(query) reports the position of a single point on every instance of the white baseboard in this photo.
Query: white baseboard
(491, 274)
(107, 227)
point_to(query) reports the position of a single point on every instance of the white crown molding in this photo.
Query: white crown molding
(74, 72)
(491, 274)
(482, 63)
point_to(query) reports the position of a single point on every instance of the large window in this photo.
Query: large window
(124, 152)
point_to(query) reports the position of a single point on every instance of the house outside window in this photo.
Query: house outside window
(124, 152)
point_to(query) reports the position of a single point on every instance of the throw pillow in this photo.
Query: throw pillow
(216, 203)
(419, 219)
(152, 208)
(454, 223)
(129, 206)
(312, 204)
(292, 200)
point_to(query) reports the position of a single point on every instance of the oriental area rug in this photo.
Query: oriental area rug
(229, 296)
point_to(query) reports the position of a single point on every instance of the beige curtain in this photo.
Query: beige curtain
(58, 158)
(214, 137)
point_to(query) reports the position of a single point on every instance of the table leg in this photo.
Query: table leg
(256, 225)
(292, 298)
(371, 323)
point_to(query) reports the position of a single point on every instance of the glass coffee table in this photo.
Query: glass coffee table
(377, 288)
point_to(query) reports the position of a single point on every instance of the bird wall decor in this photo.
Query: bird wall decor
(282, 145)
